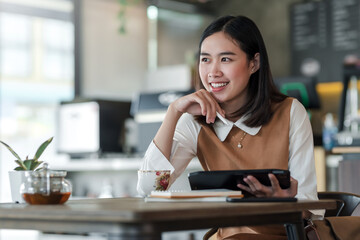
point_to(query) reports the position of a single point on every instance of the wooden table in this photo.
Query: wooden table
(132, 218)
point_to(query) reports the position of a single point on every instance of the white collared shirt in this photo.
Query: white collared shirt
(184, 148)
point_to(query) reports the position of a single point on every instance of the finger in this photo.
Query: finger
(218, 108)
(207, 105)
(293, 187)
(199, 98)
(213, 106)
(243, 187)
(222, 112)
(293, 181)
(259, 189)
(254, 182)
(217, 105)
(274, 182)
(250, 182)
(210, 105)
(195, 103)
(249, 190)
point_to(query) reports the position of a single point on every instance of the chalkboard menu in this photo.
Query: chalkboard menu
(324, 35)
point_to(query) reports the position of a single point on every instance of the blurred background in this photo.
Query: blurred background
(98, 75)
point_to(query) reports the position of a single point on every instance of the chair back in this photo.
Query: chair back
(346, 203)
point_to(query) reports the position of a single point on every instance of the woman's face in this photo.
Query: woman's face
(225, 70)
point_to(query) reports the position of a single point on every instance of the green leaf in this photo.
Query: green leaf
(35, 164)
(28, 163)
(19, 169)
(11, 150)
(21, 164)
(42, 147)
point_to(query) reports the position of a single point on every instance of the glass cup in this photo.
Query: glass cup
(46, 187)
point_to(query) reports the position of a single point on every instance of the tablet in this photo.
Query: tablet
(230, 178)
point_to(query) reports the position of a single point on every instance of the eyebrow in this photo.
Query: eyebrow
(220, 54)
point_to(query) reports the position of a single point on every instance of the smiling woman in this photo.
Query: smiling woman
(225, 70)
(236, 120)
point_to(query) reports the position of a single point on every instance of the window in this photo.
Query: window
(36, 73)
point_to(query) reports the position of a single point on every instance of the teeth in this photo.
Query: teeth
(216, 85)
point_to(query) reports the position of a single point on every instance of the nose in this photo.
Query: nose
(214, 71)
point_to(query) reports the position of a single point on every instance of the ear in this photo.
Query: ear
(255, 63)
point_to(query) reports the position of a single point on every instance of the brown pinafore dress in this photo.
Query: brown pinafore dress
(269, 148)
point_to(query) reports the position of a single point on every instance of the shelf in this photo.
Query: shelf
(116, 164)
(80, 165)
(350, 149)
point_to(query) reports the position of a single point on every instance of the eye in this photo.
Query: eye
(225, 59)
(204, 59)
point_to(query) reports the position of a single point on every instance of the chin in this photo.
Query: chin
(219, 100)
(218, 97)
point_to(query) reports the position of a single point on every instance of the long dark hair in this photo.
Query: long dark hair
(261, 89)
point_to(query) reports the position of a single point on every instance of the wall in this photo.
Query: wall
(272, 17)
(178, 36)
(113, 64)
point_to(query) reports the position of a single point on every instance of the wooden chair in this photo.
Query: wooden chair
(346, 205)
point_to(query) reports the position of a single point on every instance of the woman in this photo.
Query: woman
(238, 120)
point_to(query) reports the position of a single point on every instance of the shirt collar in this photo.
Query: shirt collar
(223, 127)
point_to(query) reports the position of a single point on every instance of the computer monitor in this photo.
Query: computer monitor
(300, 87)
(92, 127)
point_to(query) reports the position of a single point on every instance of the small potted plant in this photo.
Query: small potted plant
(17, 176)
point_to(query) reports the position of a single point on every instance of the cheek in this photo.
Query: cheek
(202, 71)
(239, 73)
(203, 75)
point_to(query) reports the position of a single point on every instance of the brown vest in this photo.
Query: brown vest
(269, 148)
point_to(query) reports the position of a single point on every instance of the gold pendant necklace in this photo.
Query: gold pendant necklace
(240, 140)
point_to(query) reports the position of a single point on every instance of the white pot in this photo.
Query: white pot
(16, 179)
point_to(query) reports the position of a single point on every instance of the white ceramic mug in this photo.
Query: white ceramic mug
(153, 180)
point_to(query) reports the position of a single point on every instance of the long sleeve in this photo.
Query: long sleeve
(301, 154)
(183, 150)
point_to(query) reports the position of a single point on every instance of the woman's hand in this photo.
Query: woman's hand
(199, 103)
(260, 190)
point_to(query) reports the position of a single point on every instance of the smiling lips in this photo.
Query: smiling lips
(218, 86)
